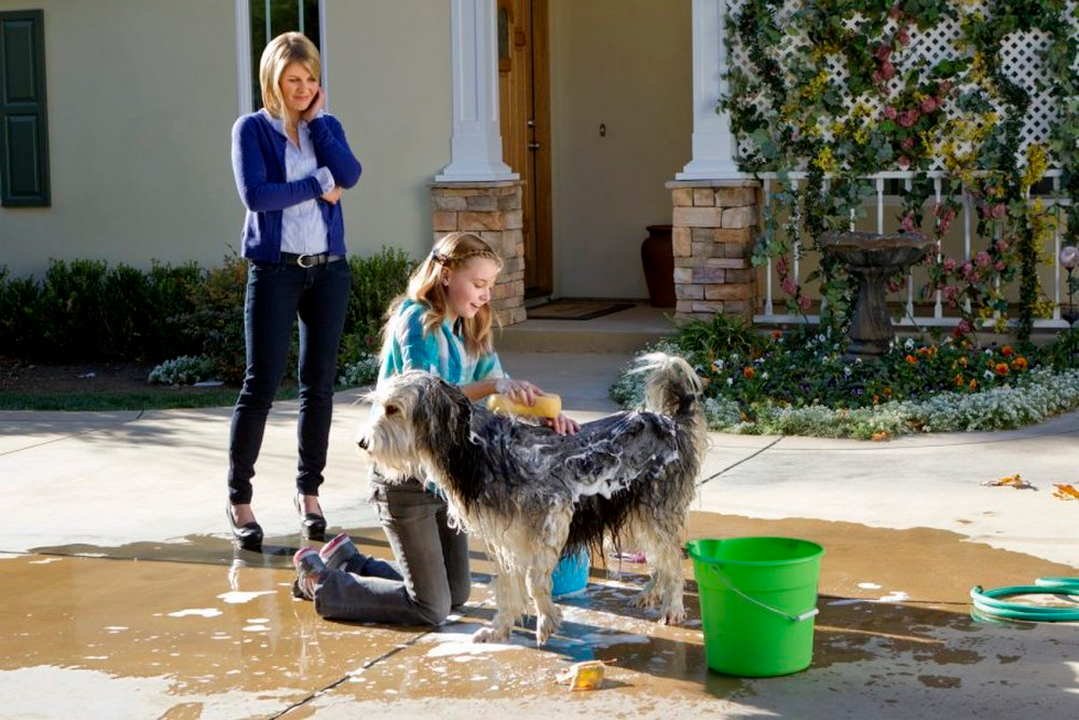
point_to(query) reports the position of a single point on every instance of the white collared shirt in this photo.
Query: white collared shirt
(303, 231)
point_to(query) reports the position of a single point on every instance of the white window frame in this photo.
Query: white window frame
(244, 100)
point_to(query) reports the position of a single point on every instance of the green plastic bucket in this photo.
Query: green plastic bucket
(758, 599)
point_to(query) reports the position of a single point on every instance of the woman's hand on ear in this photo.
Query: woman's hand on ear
(315, 107)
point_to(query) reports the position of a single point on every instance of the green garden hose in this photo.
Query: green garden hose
(986, 602)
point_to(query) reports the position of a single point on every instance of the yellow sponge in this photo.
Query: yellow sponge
(548, 405)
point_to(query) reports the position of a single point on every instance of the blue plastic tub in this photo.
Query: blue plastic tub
(571, 574)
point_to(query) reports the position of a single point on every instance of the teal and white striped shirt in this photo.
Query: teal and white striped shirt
(440, 351)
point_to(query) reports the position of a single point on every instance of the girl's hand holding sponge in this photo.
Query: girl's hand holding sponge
(520, 397)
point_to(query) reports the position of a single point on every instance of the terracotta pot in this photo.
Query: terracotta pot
(657, 258)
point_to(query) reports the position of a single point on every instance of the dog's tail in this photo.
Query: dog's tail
(672, 388)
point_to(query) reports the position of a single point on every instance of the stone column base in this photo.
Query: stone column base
(714, 226)
(492, 210)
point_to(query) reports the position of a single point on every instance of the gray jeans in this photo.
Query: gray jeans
(430, 576)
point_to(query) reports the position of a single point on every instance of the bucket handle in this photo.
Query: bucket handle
(793, 618)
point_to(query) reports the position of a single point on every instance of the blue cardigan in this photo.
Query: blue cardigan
(258, 162)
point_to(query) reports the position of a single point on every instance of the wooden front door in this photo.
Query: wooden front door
(523, 86)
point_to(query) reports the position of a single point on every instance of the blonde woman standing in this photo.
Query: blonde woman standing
(291, 161)
(441, 325)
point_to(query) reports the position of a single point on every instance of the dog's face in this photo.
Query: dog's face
(411, 414)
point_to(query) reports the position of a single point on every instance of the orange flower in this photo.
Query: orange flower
(960, 381)
(748, 372)
(973, 385)
(876, 399)
(887, 392)
(1020, 364)
(776, 334)
(963, 361)
(912, 360)
(1001, 369)
(1007, 351)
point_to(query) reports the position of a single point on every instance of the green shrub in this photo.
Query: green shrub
(376, 280)
(84, 311)
(183, 370)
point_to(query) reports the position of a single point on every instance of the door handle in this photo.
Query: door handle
(534, 146)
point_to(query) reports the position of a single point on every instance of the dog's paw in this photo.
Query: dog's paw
(646, 599)
(545, 627)
(486, 635)
(674, 616)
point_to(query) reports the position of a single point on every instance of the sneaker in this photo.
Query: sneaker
(309, 568)
(337, 552)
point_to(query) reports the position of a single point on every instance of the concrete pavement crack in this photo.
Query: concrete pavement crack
(714, 475)
(370, 663)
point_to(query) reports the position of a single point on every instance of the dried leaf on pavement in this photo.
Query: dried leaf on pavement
(1014, 481)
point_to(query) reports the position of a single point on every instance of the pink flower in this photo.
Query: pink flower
(1069, 257)
(907, 118)
(907, 143)
(963, 327)
(789, 286)
(781, 266)
(904, 162)
(950, 293)
(1002, 245)
(948, 215)
(895, 12)
(982, 258)
(966, 271)
(887, 70)
(804, 302)
(975, 277)
(902, 37)
(890, 112)
(944, 87)
(949, 265)
(1000, 266)
(883, 52)
(907, 223)
(929, 105)
(999, 210)
(877, 77)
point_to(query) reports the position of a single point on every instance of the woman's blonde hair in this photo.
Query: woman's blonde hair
(452, 252)
(284, 49)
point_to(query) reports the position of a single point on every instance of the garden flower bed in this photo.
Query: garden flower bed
(798, 383)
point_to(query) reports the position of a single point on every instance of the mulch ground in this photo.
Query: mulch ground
(19, 376)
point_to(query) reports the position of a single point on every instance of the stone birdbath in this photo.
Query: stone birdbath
(872, 259)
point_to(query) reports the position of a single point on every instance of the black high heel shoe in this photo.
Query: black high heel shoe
(312, 525)
(248, 536)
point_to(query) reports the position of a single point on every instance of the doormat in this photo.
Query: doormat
(576, 309)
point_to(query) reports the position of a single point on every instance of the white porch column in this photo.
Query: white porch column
(476, 143)
(713, 143)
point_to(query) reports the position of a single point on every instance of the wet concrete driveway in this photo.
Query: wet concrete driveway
(189, 629)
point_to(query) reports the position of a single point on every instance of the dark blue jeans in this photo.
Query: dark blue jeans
(276, 294)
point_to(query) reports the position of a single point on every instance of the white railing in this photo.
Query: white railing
(938, 318)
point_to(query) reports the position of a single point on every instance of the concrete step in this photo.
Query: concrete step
(623, 332)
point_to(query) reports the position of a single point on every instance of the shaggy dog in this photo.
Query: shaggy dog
(535, 496)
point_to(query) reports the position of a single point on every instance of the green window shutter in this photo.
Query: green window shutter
(24, 132)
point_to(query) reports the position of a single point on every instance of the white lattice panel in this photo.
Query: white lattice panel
(1020, 56)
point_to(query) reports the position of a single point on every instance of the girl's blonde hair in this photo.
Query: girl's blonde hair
(451, 253)
(284, 49)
